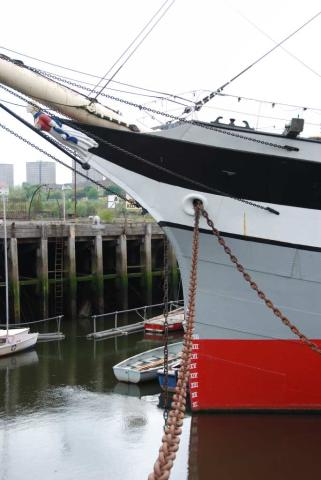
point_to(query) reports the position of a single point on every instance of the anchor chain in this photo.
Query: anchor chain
(165, 313)
(247, 277)
(172, 117)
(173, 429)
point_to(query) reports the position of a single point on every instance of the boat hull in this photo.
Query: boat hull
(175, 322)
(144, 366)
(160, 328)
(19, 344)
(279, 247)
(255, 375)
(171, 380)
(244, 358)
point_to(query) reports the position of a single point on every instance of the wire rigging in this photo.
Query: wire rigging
(227, 95)
(275, 42)
(198, 105)
(133, 155)
(89, 74)
(78, 82)
(129, 47)
(132, 53)
(69, 81)
(53, 157)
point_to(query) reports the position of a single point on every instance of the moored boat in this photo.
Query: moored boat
(175, 322)
(168, 380)
(144, 366)
(16, 340)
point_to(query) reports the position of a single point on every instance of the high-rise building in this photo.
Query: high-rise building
(40, 173)
(6, 174)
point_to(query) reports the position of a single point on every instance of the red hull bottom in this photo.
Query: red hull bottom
(255, 375)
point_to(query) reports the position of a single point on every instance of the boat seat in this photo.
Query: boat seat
(151, 359)
(135, 364)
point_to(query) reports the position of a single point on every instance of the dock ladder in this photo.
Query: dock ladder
(59, 270)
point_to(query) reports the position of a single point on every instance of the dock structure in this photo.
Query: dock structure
(104, 259)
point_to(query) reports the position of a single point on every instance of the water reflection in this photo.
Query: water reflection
(265, 447)
(136, 390)
(64, 416)
(19, 360)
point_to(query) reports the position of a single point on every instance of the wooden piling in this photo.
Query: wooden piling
(42, 272)
(146, 262)
(121, 269)
(39, 237)
(174, 274)
(14, 278)
(98, 272)
(71, 270)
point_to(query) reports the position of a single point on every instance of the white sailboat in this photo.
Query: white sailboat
(15, 339)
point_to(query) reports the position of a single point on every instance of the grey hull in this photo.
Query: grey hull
(227, 308)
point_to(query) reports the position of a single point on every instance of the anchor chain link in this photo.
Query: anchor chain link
(173, 429)
(172, 117)
(247, 277)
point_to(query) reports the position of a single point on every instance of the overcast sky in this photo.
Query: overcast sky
(197, 45)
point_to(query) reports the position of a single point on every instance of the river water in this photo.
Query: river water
(63, 416)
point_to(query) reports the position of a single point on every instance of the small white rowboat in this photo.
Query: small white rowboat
(144, 366)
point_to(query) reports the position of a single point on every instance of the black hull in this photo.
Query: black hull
(253, 176)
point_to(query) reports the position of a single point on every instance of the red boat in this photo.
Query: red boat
(175, 322)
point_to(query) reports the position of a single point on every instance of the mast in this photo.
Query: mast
(18, 76)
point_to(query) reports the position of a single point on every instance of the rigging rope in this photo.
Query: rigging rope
(131, 44)
(41, 150)
(198, 105)
(87, 74)
(176, 118)
(70, 81)
(74, 83)
(274, 41)
(148, 162)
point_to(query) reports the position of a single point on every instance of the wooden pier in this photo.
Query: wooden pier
(100, 258)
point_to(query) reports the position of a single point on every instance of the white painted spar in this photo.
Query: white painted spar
(58, 97)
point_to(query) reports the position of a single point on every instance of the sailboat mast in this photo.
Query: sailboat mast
(3, 194)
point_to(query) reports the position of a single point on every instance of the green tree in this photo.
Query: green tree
(91, 192)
